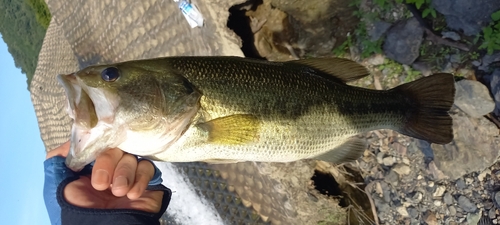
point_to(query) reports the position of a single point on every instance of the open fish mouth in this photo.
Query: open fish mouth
(92, 111)
(80, 106)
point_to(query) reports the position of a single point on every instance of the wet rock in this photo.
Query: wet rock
(466, 204)
(473, 98)
(378, 29)
(403, 41)
(465, 15)
(447, 198)
(474, 147)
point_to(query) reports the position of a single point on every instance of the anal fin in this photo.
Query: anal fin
(350, 150)
(232, 130)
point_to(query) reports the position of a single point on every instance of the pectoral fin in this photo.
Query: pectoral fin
(232, 130)
(350, 150)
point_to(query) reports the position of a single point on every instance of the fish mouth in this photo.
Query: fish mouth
(80, 106)
(90, 123)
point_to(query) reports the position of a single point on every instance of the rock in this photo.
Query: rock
(438, 203)
(451, 35)
(392, 178)
(447, 198)
(377, 59)
(380, 158)
(473, 98)
(473, 218)
(412, 212)
(378, 29)
(483, 174)
(418, 197)
(381, 205)
(439, 191)
(313, 20)
(389, 161)
(466, 204)
(460, 184)
(425, 147)
(496, 199)
(402, 211)
(423, 67)
(495, 89)
(430, 218)
(474, 147)
(436, 173)
(492, 214)
(401, 169)
(403, 40)
(452, 210)
(468, 16)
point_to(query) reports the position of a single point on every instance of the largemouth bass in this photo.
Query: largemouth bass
(230, 109)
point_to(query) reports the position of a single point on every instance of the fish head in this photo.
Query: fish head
(128, 105)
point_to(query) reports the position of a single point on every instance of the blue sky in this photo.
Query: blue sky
(22, 150)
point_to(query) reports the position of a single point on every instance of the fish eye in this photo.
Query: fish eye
(110, 74)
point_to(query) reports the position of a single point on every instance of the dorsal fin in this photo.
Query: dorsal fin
(344, 69)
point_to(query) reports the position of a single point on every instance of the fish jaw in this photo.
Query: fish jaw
(92, 111)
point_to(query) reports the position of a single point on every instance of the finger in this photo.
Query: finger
(104, 168)
(62, 150)
(145, 171)
(124, 175)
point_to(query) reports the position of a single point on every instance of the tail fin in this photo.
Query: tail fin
(430, 98)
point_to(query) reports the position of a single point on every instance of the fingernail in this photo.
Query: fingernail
(102, 177)
(120, 182)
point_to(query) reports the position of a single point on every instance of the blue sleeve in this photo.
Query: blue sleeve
(156, 180)
(55, 172)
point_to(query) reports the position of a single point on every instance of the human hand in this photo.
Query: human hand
(118, 180)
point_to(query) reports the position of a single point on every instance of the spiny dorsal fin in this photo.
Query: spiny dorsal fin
(232, 130)
(343, 69)
(350, 150)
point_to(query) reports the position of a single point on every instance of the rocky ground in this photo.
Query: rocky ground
(407, 181)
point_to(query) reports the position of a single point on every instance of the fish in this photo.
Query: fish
(226, 109)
